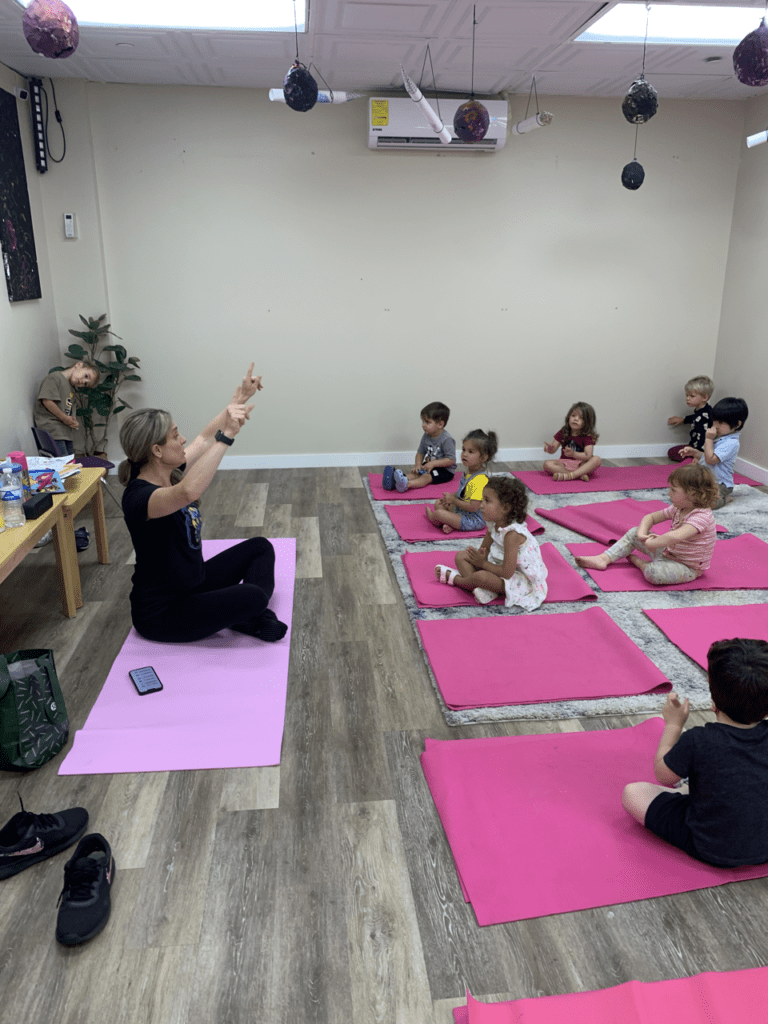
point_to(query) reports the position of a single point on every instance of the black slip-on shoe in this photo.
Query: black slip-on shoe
(29, 838)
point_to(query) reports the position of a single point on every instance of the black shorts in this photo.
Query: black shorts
(665, 817)
(441, 475)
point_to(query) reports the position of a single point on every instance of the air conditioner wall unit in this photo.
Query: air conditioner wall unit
(398, 123)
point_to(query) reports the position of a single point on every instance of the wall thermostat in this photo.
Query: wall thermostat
(70, 228)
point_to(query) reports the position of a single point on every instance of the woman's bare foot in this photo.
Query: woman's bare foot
(447, 528)
(593, 561)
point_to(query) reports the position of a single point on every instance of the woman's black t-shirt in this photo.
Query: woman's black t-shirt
(169, 557)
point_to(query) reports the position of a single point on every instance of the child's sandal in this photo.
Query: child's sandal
(446, 574)
(559, 477)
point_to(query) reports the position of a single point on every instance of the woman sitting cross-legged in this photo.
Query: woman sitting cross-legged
(178, 597)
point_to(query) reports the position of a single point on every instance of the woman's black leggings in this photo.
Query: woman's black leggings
(221, 600)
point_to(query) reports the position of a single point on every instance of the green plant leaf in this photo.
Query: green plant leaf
(117, 409)
(133, 360)
(84, 320)
(132, 376)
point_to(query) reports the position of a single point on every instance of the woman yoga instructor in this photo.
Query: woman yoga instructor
(177, 597)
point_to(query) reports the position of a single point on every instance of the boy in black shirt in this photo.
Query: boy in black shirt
(720, 816)
(698, 392)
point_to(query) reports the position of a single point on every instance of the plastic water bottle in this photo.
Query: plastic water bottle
(10, 496)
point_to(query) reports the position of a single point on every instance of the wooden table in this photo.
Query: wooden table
(15, 544)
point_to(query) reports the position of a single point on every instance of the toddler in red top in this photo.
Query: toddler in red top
(576, 438)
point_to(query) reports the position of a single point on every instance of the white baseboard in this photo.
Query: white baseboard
(750, 469)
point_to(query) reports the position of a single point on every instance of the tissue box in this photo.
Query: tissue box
(37, 505)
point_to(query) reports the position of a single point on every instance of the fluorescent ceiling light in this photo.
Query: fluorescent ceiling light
(239, 15)
(674, 24)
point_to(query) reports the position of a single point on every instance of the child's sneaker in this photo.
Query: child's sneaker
(84, 902)
(29, 838)
(401, 481)
(483, 596)
(388, 479)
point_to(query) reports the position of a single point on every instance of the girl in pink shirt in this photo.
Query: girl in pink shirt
(684, 553)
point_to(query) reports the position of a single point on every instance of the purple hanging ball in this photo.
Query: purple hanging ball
(471, 121)
(633, 176)
(750, 58)
(299, 88)
(51, 28)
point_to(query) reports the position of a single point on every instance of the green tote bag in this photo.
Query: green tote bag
(33, 720)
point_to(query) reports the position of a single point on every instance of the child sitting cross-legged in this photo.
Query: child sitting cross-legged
(684, 553)
(508, 562)
(462, 511)
(720, 816)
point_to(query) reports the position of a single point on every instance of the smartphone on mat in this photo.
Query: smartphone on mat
(145, 680)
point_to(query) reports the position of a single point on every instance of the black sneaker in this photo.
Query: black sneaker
(84, 903)
(28, 838)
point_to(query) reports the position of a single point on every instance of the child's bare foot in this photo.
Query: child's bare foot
(639, 563)
(430, 513)
(447, 528)
(593, 561)
(585, 478)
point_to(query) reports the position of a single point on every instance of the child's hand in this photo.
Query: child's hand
(569, 453)
(675, 713)
(652, 541)
(711, 433)
(475, 557)
(71, 421)
(689, 453)
(675, 421)
(550, 448)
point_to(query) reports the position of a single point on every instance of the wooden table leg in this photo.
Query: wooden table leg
(66, 561)
(100, 525)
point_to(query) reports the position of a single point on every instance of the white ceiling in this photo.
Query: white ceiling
(359, 45)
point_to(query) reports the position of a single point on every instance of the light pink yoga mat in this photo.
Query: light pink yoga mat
(528, 659)
(608, 478)
(412, 525)
(606, 521)
(728, 997)
(563, 582)
(536, 826)
(693, 630)
(431, 491)
(740, 563)
(222, 704)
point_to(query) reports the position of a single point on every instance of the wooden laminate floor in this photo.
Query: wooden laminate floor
(323, 890)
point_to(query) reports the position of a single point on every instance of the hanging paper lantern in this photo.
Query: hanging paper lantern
(51, 28)
(300, 88)
(633, 175)
(640, 103)
(750, 58)
(471, 121)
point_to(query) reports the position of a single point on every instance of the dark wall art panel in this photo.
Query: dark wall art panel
(16, 235)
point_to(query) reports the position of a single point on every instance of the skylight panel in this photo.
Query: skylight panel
(673, 25)
(235, 15)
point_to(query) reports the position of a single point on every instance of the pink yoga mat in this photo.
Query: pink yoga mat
(563, 582)
(536, 826)
(740, 563)
(222, 704)
(527, 659)
(431, 491)
(728, 997)
(608, 478)
(606, 521)
(412, 525)
(693, 630)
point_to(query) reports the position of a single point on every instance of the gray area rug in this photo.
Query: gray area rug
(748, 513)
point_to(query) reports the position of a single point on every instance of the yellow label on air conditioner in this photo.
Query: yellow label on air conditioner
(379, 113)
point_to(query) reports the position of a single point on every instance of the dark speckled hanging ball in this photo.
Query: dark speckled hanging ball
(471, 121)
(50, 28)
(640, 103)
(750, 58)
(300, 88)
(633, 176)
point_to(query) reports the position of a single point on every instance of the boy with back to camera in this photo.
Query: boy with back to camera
(698, 391)
(55, 403)
(721, 444)
(435, 461)
(720, 817)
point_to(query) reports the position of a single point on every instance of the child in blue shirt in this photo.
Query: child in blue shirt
(721, 444)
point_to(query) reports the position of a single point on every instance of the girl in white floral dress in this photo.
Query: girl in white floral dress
(508, 561)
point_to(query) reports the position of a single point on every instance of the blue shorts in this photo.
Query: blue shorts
(472, 521)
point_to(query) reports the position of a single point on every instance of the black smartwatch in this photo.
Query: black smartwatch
(223, 438)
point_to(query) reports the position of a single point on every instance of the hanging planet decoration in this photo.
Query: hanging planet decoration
(640, 103)
(750, 58)
(471, 121)
(633, 175)
(300, 88)
(51, 28)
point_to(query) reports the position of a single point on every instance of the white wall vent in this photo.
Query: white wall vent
(398, 123)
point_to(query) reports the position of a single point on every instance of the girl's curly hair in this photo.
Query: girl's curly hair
(511, 492)
(698, 483)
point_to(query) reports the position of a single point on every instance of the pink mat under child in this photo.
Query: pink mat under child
(608, 478)
(412, 525)
(693, 630)
(728, 997)
(740, 563)
(563, 582)
(222, 704)
(531, 658)
(536, 827)
(431, 491)
(606, 521)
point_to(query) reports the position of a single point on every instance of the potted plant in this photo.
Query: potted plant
(97, 405)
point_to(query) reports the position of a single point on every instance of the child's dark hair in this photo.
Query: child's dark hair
(587, 413)
(436, 411)
(698, 483)
(738, 678)
(512, 492)
(487, 444)
(732, 411)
